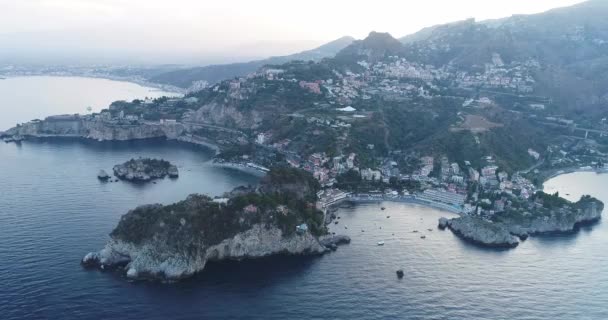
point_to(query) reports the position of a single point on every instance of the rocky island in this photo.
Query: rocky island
(103, 175)
(176, 241)
(544, 213)
(145, 169)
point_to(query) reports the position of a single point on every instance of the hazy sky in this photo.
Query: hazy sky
(190, 31)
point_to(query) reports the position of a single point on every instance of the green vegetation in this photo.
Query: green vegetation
(286, 201)
(551, 201)
(148, 164)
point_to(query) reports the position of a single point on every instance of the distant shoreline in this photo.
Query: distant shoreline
(554, 173)
(141, 82)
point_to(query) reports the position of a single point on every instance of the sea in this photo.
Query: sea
(34, 97)
(53, 211)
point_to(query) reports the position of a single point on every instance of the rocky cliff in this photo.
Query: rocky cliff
(158, 258)
(78, 126)
(227, 115)
(176, 241)
(482, 232)
(506, 229)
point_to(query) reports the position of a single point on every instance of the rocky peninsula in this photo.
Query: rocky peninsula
(545, 214)
(77, 126)
(175, 241)
(145, 169)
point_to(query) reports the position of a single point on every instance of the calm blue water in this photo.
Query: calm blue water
(53, 210)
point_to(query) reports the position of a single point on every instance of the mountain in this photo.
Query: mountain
(427, 32)
(568, 47)
(376, 46)
(214, 73)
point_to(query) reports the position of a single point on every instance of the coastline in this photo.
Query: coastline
(240, 167)
(198, 142)
(141, 82)
(357, 199)
(75, 137)
(553, 173)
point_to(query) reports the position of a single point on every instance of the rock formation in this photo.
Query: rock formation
(176, 241)
(81, 127)
(143, 170)
(508, 228)
(483, 232)
(103, 175)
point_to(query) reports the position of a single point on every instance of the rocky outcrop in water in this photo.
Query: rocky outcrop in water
(508, 228)
(84, 127)
(168, 259)
(103, 175)
(176, 241)
(483, 232)
(333, 241)
(143, 170)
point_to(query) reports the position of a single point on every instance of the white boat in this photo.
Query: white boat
(380, 243)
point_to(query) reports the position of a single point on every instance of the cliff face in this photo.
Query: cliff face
(482, 232)
(75, 126)
(157, 257)
(563, 220)
(227, 115)
(505, 229)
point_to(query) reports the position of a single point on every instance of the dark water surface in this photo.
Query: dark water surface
(53, 211)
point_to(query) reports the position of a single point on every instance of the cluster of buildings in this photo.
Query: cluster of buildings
(460, 188)
(516, 76)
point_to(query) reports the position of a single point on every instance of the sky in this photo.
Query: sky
(203, 31)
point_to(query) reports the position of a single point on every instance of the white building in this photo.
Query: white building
(533, 154)
(446, 197)
(261, 138)
(369, 174)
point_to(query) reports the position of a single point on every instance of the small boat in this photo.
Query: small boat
(380, 243)
(422, 237)
(335, 222)
(400, 273)
(415, 231)
(430, 229)
(383, 208)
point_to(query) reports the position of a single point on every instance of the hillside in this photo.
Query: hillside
(214, 73)
(503, 93)
(565, 51)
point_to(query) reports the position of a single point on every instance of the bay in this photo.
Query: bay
(53, 210)
(26, 98)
